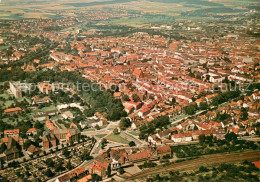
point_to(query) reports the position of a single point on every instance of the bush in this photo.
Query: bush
(132, 143)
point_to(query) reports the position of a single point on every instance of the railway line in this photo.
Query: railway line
(207, 160)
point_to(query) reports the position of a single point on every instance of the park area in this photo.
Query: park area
(117, 138)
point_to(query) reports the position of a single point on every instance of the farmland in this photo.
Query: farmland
(176, 8)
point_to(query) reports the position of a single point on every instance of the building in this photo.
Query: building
(118, 158)
(12, 111)
(38, 100)
(11, 152)
(32, 131)
(182, 137)
(75, 174)
(164, 150)
(12, 133)
(66, 135)
(45, 87)
(99, 167)
(33, 150)
(40, 116)
(140, 156)
(15, 89)
(49, 140)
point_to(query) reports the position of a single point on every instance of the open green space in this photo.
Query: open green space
(178, 117)
(89, 129)
(135, 133)
(46, 109)
(117, 138)
(2, 47)
(100, 136)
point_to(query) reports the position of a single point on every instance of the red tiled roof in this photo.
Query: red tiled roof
(257, 164)
(145, 154)
(12, 109)
(32, 130)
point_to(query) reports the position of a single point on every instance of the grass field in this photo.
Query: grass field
(4, 95)
(102, 127)
(182, 116)
(101, 135)
(116, 138)
(135, 133)
(89, 129)
(2, 47)
(49, 108)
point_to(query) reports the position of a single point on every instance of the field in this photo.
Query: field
(2, 47)
(48, 9)
(46, 109)
(117, 138)
(135, 133)
(101, 135)
(89, 129)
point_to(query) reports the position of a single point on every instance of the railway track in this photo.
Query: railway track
(202, 161)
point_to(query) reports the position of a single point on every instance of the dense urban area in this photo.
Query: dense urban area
(106, 91)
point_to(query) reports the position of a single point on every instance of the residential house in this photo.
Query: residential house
(49, 140)
(12, 111)
(66, 134)
(33, 150)
(99, 166)
(32, 131)
(118, 158)
(11, 152)
(154, 139)
(38, 100)
(143, 155)
(12, 133)
(182, 137)
(164, 150)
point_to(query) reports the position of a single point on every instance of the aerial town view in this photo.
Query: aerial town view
(129, 90)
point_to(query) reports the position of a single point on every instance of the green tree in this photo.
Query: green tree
(124, 123)
(121, 170)
(69, 165)
(59, 167)
(49, 162)
(2, 148)
(95, 177)
(203, 105)
(231, 136)
(109, 171)
(125, 98)
(49, 173)
(173, 101)
(191, 109)
(132, 143)
(136, 98)
(103, 143)
(115, 131)
(244, 114)
(66, 153)
(202, 139)
(27, 144)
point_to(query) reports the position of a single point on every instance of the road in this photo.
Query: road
(97, 147)
(107, 130)
(207, 160)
